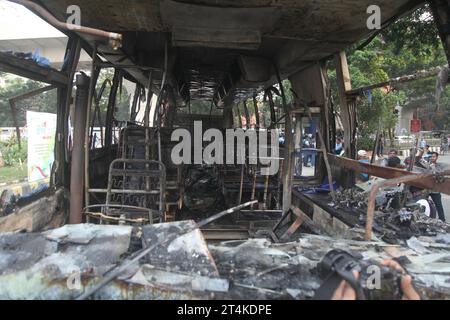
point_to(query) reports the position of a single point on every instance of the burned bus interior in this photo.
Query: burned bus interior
(219, 229)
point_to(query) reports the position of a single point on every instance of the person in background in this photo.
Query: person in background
(419, 161)
(363, 158)
(307, 144)
(380, 146)
(395, 162)
(339, 146)
(427, 153)
(444, 144)
(392, 153)
(436, 196)
(422, 143)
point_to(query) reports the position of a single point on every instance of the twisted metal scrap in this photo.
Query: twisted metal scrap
(392, 182)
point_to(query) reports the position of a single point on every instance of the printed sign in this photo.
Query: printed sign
(41, 142)
(415, 126)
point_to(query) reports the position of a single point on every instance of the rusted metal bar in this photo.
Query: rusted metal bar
(266, 188)
(279, 120)
(418, 75)
(122, 219)
(307, 220)
(280, 175)
(111, 107)
(375, 146)
(72, 57)
(261, 211)
(254, 184)
(115, 38)
(247, 115)
(126, 66)
(348, 114)
(273, 117)
(97, 112)
(224, 213)
(241, 185)
(255, 104)
(297, 223)
(137, 94)
(288, 149)
(29, 69)
(149, 100)
(390, 173)
(87, 141)
(77, 161)
(373, 194)
(33, 93)
(327, 109)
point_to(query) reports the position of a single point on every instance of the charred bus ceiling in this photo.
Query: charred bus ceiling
(226, 48)
(219, 51)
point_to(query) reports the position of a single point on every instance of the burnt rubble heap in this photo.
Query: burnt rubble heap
(397, 216)
(66, 262)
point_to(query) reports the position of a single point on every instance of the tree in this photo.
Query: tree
(410, 44)
(13, 86)
(122, 109)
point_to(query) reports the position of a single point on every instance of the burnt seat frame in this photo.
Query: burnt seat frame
(122, 213)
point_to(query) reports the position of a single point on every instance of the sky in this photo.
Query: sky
(17, 22)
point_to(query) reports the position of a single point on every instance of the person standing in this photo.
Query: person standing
(436, 196)
(363, 158)
(423, 143)
(339, 146)
(380, 146)
(444, 144)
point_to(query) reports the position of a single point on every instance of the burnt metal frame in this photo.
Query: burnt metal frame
(108, 208)
(269, 94)
(97, 113)
(386, 183)
(300, 218)
(149, 132)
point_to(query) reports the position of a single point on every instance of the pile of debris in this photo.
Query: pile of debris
(397, 217)
(202, 192)
(66, 262)
(399, 225)
(353, 198)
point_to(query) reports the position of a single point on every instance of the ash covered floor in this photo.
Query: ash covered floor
(64, 263)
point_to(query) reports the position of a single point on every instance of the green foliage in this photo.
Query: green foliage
(122, 110)
(9, 174)
(366, 143)
(12, 86)
(407, 46)
(412, 32)
(11, 153)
